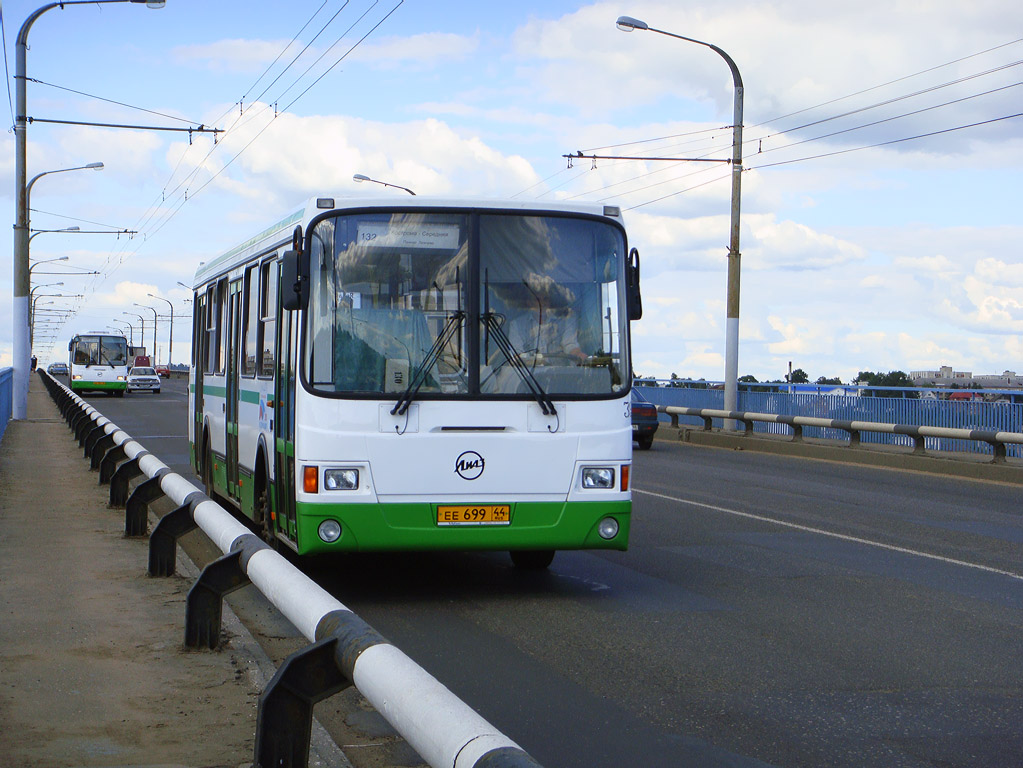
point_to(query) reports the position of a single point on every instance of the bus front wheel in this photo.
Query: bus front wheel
(532, 559)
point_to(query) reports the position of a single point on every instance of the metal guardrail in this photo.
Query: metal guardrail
(996, 440)
(344, 649)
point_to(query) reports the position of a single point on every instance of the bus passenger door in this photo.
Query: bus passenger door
(284, 423)
(231, 422)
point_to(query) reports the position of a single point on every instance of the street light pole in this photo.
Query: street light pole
(360, 177)
(142, 321)
(46, 261)
(153, 310)
(628, 24)
(131, 332)
(170, 339)
(22, 344)
(51, 231)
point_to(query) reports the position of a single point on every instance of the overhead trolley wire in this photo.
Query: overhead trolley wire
(170, 213)
(759, 140)
(285, 49)
(7, 70)
(890, 82)
(887, 143)
(308, 45)
(111, 101)
(268, 124)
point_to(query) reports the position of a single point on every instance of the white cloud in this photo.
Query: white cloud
(234, 55)
(427, 48)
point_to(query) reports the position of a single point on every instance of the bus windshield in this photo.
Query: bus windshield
(100, 350)
(409, 303)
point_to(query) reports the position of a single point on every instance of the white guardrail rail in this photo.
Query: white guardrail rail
(997, 440)
(344, 650)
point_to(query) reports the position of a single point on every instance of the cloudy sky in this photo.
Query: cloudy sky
(883, 153)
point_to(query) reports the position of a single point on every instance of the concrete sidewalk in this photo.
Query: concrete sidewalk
(93, 669)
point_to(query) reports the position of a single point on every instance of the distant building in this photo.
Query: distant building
(1003, 380)
(946, 377)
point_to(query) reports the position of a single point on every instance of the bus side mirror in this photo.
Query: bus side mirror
(294, 280)
(633, 296)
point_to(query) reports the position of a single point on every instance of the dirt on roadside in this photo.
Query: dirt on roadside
(93, 668)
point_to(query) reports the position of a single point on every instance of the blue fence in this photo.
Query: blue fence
(913, 407)
(6, 397)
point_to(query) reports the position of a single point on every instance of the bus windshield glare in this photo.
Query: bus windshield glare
(411, 305)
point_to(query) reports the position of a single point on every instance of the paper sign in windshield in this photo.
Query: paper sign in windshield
(414, 236)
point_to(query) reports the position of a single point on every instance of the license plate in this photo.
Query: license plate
(474, 514)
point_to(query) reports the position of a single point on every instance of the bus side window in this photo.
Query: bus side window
(249, 349)
(199, 332)
(267, 317)
(222, 342)
(211, 330)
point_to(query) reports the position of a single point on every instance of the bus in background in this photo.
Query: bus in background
(441, 375)
(98, 362)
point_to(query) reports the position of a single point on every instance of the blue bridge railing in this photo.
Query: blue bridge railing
(979, 410)
(6, 397)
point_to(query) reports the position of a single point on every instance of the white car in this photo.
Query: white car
(143, 379)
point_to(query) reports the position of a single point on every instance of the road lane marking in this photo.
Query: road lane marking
(832, 534)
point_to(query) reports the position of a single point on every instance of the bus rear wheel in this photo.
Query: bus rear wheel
(206, 467)
(532, 559)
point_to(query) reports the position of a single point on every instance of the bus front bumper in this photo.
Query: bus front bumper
(415, 526)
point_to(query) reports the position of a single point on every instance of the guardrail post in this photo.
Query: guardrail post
(998, 452)
(284, 720)
(96, 434)
(88, 430)
(136, 508)
(99, 450)
(854, 438)
(797, 433)
(120, 479)
(81, 423)
(108, 466)
(205, 603)
(163, 541)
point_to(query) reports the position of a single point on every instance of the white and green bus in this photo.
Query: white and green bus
(441, 375)
(98, 362)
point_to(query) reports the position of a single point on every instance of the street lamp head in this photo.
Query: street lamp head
(627, 24)
(97, 166)
(360, 177)
(151, 3)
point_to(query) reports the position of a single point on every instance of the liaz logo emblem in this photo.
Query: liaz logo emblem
(469, 465)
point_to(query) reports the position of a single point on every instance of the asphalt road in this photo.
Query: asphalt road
(770, 611)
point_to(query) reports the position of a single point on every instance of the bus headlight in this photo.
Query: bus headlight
(341, 480)
(607, 528)
(330, 531)
(599, 477)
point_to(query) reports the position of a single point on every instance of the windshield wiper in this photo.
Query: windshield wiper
(453, 324)
(511, 355)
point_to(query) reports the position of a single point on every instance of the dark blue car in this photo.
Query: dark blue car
(644, 421)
